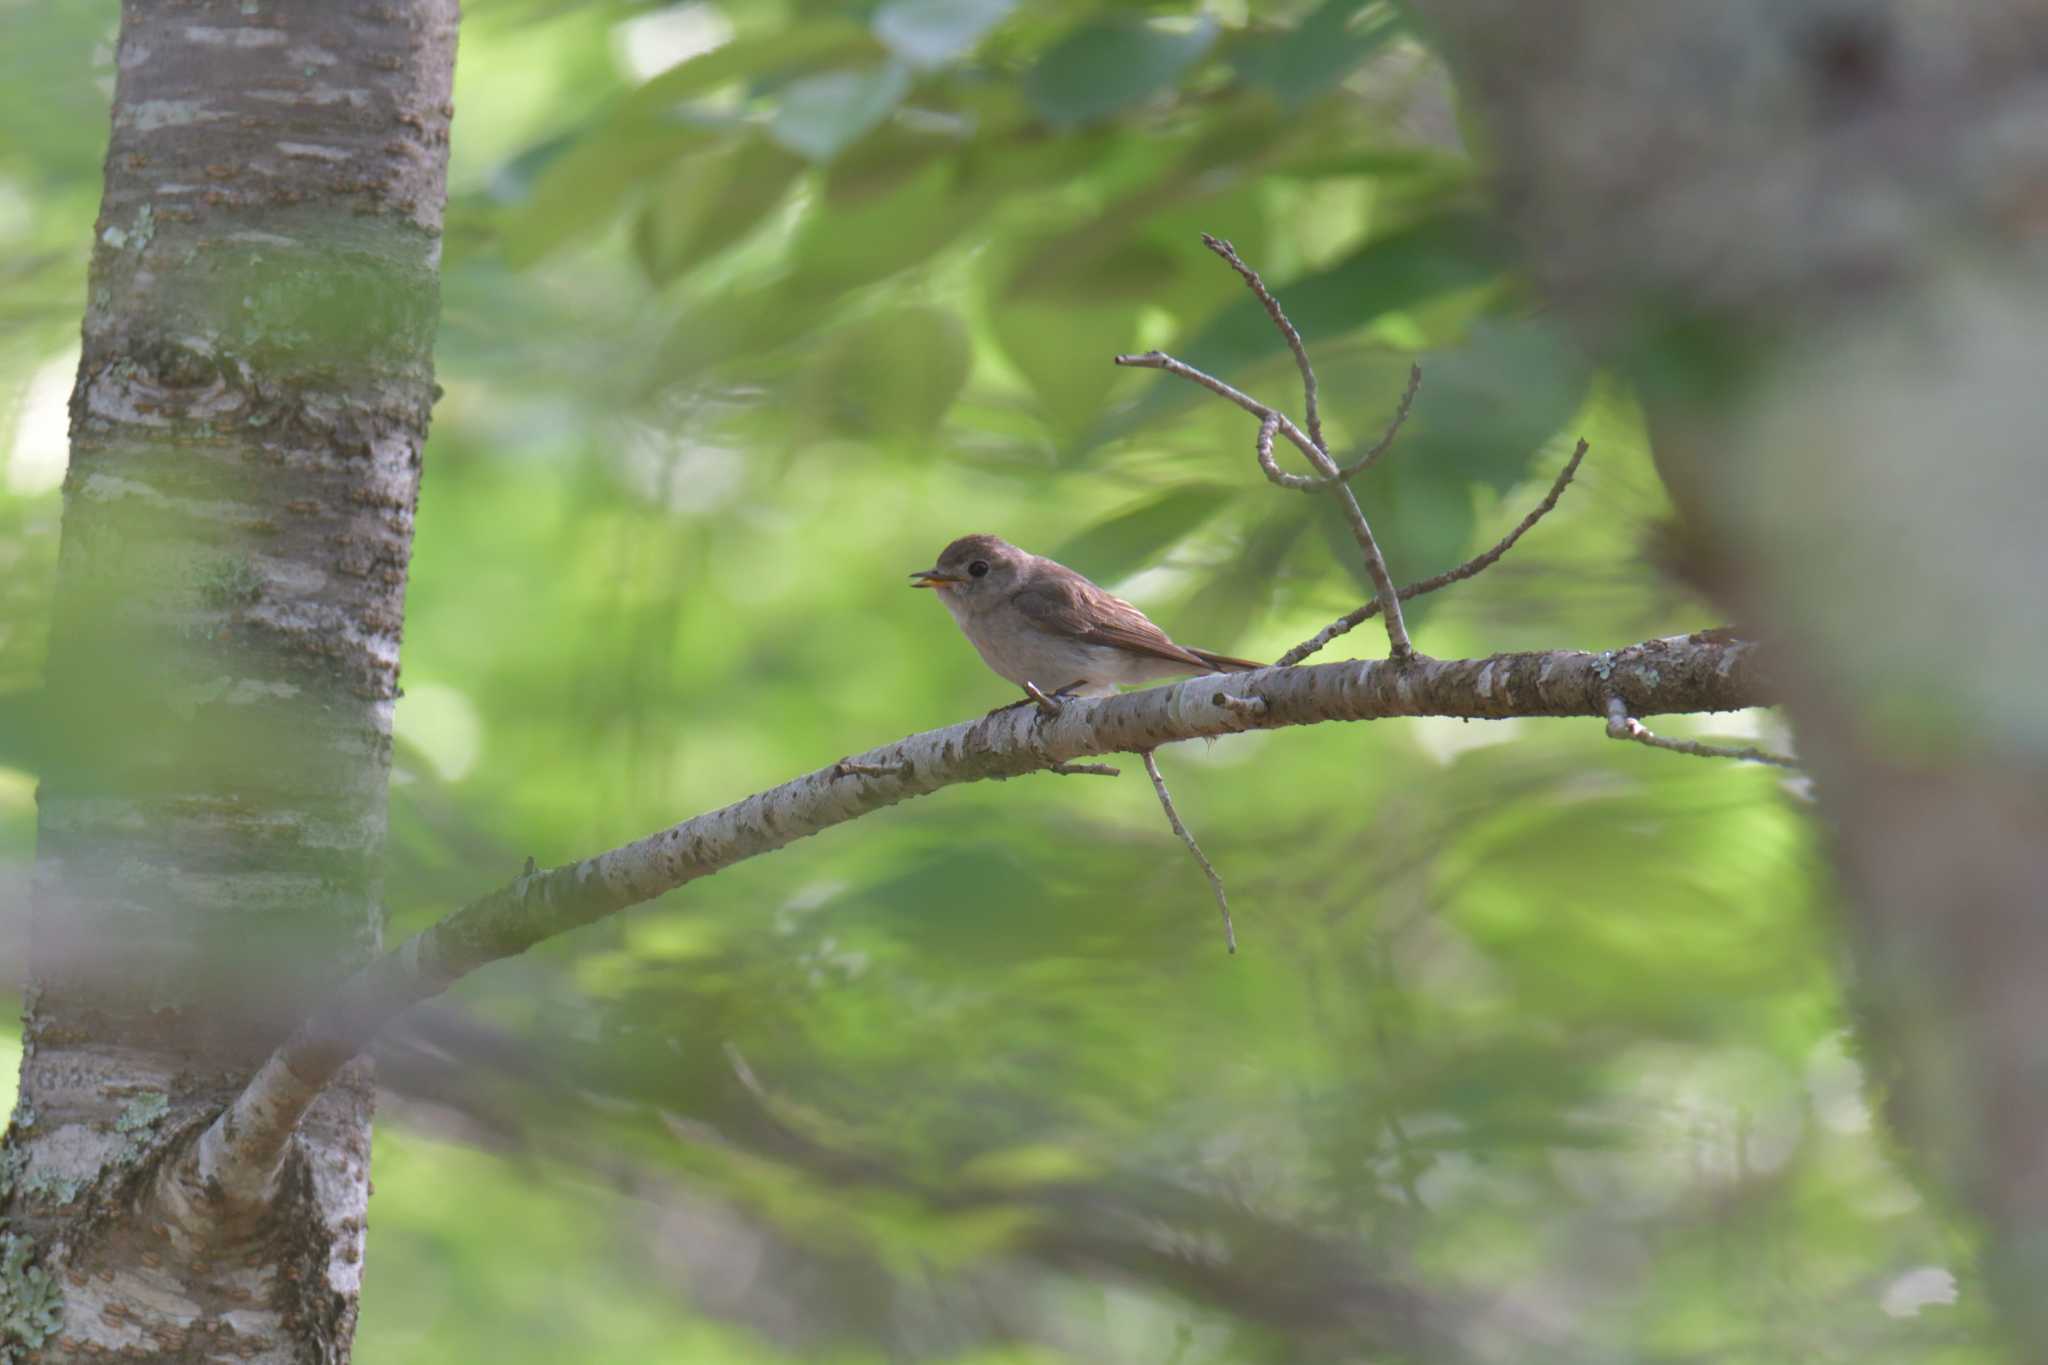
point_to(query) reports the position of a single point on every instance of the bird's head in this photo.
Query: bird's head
(974, 568)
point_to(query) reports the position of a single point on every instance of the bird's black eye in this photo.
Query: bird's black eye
(978, 569)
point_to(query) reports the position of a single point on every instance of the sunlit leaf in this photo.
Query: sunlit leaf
(799, 47)
(887, 159)
(707, 202)
(842, 243)
(1064, 350)
(933, 32)
(819, 115)
(583, 188)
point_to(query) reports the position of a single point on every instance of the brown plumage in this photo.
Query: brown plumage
(1034, 620)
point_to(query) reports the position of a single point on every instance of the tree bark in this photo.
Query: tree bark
(1691, 674)
(246, 433)
(1811, 233)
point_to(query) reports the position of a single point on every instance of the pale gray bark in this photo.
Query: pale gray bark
(241, 1149)
(246, 433)
(1812, 232)
(247, 426)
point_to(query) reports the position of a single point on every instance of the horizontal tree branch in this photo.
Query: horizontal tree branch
(240, 1154)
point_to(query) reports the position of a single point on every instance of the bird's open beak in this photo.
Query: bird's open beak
(932, 578)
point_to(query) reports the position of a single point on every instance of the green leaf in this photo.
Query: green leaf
(928, 33)
(813, 43)
(846, 243)
(736, 327)
(1131, 539)
(709, 201)
(888, 159)
(1320, 51)
(1453, 250)
(894, 374)
(1107, 67)
(584, 187)
(1421, 518)
(1488, 405)
(1064, 351)
(1235, 594)
(820, 115)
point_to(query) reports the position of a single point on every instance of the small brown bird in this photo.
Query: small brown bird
(1034, 620)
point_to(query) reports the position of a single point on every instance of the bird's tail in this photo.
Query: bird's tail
(1224, 663)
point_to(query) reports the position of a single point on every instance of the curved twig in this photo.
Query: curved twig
(1274, 311)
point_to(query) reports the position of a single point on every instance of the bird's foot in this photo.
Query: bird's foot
(1049, 703)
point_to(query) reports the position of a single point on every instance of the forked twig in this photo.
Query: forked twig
(1471, 567)
(1621, 725)
(1280, 320)
(1386, 441)
(1208, 870)
(1160, 360)
(1310, 443)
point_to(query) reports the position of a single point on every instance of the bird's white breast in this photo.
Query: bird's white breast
(1018, 649)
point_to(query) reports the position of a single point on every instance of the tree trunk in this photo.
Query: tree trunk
(246, 436)
(1811, 232)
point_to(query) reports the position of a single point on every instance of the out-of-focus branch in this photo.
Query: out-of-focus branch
(239, 1155)
(1621, 725)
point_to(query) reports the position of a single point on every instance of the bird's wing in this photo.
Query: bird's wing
(1076, 609)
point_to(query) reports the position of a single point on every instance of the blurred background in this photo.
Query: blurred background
(1534, 1049)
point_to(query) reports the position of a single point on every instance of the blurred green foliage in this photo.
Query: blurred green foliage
(750, 307)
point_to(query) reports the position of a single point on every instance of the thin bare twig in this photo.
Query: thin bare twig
(1386, 441)
(1274, 473)
(1309, 443)
(1471, 567)
(1160, 360)
(1621, 725)
(240, 1154)
(1319, 455)
(1208, 869)
(1085, 770)
(1287, 329)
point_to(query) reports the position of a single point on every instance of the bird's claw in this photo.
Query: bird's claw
(1050, 704)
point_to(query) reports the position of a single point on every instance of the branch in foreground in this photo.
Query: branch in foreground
(1470, 568)
(1208, 868)
(1621, 725)
(239, 1155)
